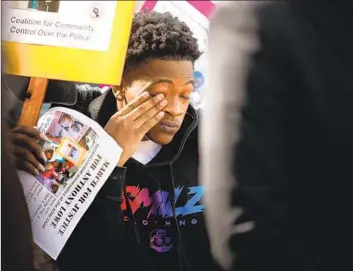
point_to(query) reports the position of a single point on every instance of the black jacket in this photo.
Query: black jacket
(289, 88)
(109, 237)
(62, 93)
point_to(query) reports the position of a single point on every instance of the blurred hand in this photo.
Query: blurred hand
(27, 152)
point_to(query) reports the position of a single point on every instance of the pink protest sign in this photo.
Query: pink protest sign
(149, 5)
(206, 8)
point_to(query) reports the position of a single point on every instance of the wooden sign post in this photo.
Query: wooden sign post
(81, 41)
(33, 103)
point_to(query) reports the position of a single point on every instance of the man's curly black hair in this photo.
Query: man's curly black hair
(160, 35)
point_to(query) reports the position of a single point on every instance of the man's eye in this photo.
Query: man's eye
(186, 97)
(153, 94)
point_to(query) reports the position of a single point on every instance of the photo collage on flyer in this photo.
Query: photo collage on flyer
(69, 143)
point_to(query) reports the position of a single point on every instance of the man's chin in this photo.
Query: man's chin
(161, 138)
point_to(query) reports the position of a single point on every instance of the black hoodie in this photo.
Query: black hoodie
(160, 226)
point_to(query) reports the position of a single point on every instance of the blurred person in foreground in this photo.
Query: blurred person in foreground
(148, 215)
(16, 241)
(276, 146)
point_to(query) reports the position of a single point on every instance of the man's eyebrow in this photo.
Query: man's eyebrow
(157, 82)
(168, 81)
(191, 81)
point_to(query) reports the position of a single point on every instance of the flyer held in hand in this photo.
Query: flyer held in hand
(80, 41)
(80, 156)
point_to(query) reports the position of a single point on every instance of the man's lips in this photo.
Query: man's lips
(169, 126)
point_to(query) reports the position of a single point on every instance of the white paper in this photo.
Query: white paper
(81, 156)
(83, 25)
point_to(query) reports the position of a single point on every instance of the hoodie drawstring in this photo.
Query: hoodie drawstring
(173, 201)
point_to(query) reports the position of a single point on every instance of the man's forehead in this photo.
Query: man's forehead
(164, 68)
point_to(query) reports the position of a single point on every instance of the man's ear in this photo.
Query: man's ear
(116, 89)
(119, 90)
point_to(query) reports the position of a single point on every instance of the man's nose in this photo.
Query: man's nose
(174, 107)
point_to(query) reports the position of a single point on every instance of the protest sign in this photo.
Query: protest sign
(80, 41)
(80, 157)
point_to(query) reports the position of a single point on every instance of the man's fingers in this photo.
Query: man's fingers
(25, 141)
(149, 114)
(23, 155)
(25, 166)
(134, 103)
(151, 123)
(32, 132)
(139, 111)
